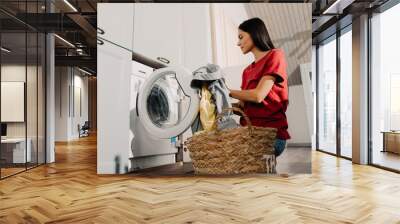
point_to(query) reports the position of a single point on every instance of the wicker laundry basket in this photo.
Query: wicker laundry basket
(233, 151)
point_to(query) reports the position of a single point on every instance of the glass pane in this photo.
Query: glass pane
(31, 100)
(166, 102)
(41, 98)
(314, 72)
(394, 102)
(327, 97)
(13, 87)
(386, 89)
(346, 94)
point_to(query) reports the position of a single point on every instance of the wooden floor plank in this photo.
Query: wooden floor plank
(70, 191)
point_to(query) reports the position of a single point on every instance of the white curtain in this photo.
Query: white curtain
(225, 20)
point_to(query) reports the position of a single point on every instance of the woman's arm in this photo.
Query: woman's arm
(258, 94)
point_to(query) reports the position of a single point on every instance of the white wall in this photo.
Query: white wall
(233, 76)
(225, 19)
(80, 117)
(297, 117)
(62, 81)
(15, 72)
(33, 126)
(197, 51)
(66, 121)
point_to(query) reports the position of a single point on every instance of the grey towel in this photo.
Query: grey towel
(208, 74)
(213, 76)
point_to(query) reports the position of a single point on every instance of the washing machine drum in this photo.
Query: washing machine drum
(158, 106)
(167, 104)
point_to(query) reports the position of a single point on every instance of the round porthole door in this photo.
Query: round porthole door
(167, 105)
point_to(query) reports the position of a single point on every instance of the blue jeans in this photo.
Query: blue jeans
(279, 146)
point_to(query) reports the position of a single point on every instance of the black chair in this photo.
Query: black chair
(84, 130)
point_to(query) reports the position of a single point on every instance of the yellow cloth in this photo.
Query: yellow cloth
(207, 109)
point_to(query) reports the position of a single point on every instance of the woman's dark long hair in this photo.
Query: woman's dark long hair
(258, 33)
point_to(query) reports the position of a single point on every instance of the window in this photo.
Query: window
(346, 92)
(394, 102)
(327, 96)
(22, 77)
(385, 88)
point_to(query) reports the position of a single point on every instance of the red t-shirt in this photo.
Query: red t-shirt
(271, 111)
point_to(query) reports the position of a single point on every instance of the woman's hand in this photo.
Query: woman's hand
(239, 104)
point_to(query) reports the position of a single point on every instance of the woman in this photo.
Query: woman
(264, 94)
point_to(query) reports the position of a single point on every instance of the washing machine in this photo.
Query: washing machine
(162, 107)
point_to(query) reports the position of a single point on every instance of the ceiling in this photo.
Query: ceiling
(79, 27)
(18, 16)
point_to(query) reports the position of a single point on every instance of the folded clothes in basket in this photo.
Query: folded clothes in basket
(212, 76)
(207, 109)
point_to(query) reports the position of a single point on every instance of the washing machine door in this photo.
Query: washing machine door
(167, 105)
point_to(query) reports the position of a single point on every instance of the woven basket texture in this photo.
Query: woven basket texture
(232, 151)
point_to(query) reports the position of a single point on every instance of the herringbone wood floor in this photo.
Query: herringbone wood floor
(70, 191)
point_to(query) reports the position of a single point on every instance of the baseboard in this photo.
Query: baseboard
(110, 167)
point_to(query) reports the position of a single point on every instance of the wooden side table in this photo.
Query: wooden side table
(391, 141)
